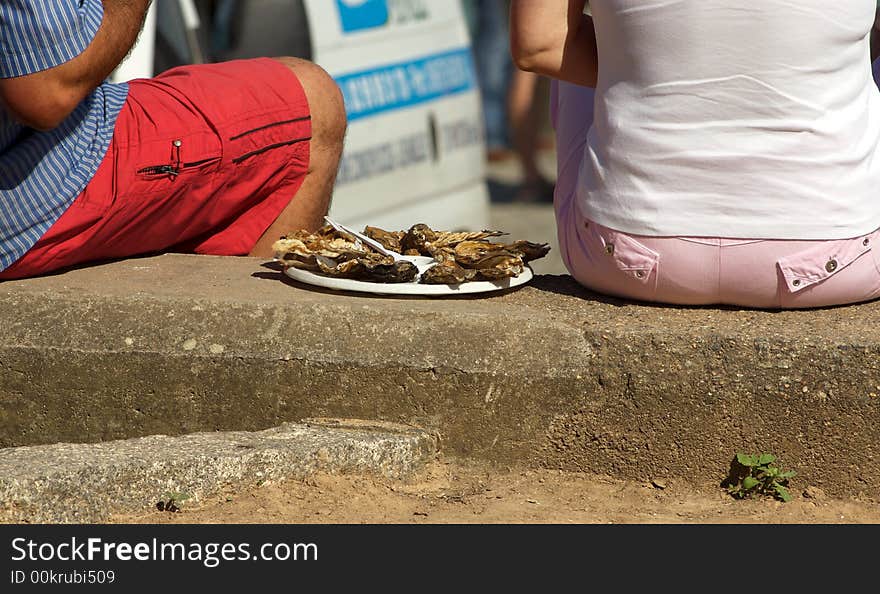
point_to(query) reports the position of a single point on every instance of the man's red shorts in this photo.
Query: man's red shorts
(203, 159)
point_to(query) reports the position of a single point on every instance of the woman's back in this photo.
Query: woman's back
(713, 117)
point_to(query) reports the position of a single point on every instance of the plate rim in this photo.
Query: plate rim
(416, 289)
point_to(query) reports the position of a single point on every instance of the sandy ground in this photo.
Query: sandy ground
(451, 492)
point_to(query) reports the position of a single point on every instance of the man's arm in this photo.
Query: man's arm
(44, 99)
(554, 38)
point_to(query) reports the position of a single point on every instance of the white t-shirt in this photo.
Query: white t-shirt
(716, 118)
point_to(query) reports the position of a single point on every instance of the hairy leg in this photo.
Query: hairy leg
(306, 210)
(523, 113)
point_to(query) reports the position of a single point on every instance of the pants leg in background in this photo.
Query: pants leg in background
(491, 47)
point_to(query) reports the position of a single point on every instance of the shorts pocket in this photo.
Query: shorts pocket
(618, 264)
(818, 264)
(169, 165)
(831, 273)
(626, 254)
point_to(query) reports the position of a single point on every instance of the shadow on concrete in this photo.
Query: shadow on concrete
(567, 286)
(85, 265)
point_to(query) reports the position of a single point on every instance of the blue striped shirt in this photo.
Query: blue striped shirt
(41, 173)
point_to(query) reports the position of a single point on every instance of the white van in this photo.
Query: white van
(414, 150)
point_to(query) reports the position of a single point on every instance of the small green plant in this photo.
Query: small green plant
(755, 475)
(171, 502)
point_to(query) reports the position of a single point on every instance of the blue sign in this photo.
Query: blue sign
(358, 15)
(402, 85)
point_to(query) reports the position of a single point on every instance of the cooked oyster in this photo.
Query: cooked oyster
(441, 255)
(481, 254)
(421, 240)
(326, 231)
(301, 254)
(414, 241)
(447, 273)
(493, 260)
(528, 250)
(293, 252)
(374, 268)
(501, 268)
(389, 239)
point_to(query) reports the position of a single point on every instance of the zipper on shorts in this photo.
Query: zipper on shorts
(174, 168)
(159, 170)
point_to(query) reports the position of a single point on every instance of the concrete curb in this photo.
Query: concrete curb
(548, 375)
(68, 483)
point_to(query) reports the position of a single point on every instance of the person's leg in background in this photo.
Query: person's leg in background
(221, 27)
(312, 201)
(525, 124)
(491, 49)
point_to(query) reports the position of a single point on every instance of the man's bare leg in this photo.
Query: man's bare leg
(306, 210)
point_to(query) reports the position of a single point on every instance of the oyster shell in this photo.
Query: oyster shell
(493, 260)
(441, 255)
(414, 241)
(421, 240)
(447, 273)
(378, 268)
(324, 232)
(528, 250)
(390, 240)
(482, 254)
(294, 252)
(501, 268)
(302, 254)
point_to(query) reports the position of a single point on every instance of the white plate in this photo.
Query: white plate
(344, 284)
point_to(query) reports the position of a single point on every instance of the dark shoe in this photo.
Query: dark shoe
(539, 192)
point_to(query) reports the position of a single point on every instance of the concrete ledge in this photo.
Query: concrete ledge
(87, 483)
(546, 375)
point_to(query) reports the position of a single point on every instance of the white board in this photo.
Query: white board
(415, 148)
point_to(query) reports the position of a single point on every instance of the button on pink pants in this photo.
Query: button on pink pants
(698, 271)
